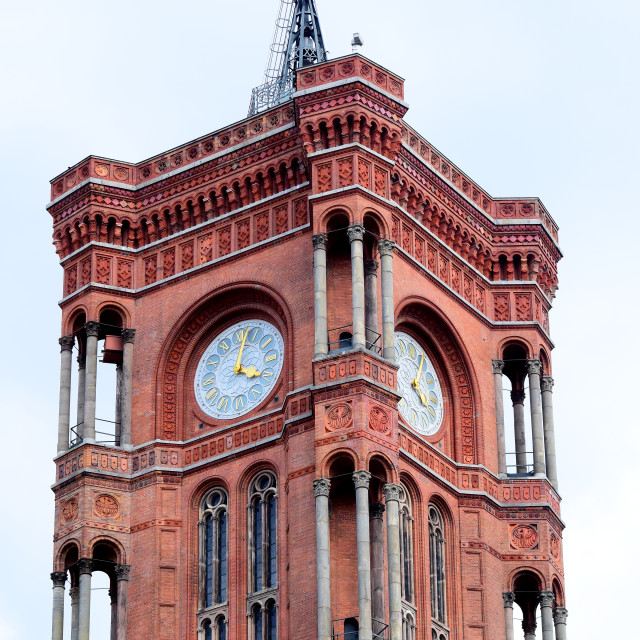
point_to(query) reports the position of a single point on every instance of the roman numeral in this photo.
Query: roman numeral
(270, 358)
(239, 403)
(209, 381)
(212, 395)
(223, 404)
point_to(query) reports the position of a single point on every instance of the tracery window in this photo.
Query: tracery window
(217, 631)
(214, 536)
(263, 533)
(265, 621)
(437, 563)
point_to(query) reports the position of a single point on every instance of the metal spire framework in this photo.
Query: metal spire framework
(297, 43)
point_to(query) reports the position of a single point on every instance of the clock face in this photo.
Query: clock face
(239, 369)
(421, 404)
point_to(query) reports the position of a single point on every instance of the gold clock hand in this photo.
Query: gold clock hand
(237, 368)
(416, 382)
(250, 372)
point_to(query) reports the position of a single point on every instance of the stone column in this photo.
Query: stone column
(386, 248)
(529, 628)
(122, 576)
(118, 412)
(546, 385)
(64, 406)
(371, 301)
(85, 567)
(82, 369)
(356, 236)
(128, 337)
(376, 531)
(59, 579)
(517, 397)
(546, 599)
(89, 429)
(533, 369)
(321, 489)
(392, 494)
(320, 293)
(113, 595)
(74, 594)
(508, 599)
(560, 621)
(361, 480)
(498, 366)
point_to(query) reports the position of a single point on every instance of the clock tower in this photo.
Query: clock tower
(309, 317)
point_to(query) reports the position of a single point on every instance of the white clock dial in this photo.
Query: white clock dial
(421, 403)
(239, 369)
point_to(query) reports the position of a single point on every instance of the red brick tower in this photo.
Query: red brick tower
(310, 314)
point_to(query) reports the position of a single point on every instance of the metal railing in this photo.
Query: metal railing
(76, 439)
(344, 341)
(521, 470)
(380, 629)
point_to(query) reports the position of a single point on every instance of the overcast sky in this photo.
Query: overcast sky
(529, 97)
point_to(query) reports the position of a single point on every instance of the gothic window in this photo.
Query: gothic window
(437, 562)
(214, 550)
(265, 621)
(406, 547)
(263, 543)
(408, 627)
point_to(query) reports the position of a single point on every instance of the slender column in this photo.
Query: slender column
(85, 567)
(392, 494)
(356, 236)
(320, 293)
(74, 593)
(517, 397)
(371, 301)
(508, 599)
(361, 480)
(118, 413)
(533, 369)
(376, 531)
(546, 385)
(57, 624)
(498, 366)
(560, 621)
(113, 594)
(385, 248)
(128, 336)
(122, 576)
(82, 370)
(529, 628)
(546, 599)
(321, 489)
(89, 428)
(64, 406)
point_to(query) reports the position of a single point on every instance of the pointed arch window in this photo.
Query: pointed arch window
(214, 537)
(437, 564)
(263, 532)
(215, 631)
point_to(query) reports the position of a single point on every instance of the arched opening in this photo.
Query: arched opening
(526, 588)
(339, 289)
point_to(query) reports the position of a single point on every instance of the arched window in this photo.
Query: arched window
(437, 561)
(256, 614)
(207, 630)
(263, 532)
(271, 621)
(406, 547)
(408, 627)
(221, 628)
(214, 548)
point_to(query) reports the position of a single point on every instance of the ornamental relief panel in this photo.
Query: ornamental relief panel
(379, 421)
(106, 506)
(70, 510)
(338, 416)
(523, 536)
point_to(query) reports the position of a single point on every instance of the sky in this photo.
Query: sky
(529, 97)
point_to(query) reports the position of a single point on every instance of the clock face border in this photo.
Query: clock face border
(433, 413)
(255, 352)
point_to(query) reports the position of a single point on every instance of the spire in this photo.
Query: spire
(297, 43)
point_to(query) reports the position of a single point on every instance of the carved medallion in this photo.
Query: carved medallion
(70, 509)
(106, 506)
(555, 546)
(379, 421)
(339, 416)
(524, 537)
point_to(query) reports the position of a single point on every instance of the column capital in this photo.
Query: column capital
(59, 578)
(74, 594)
(546, 383)
(546, 598)
(498, 366)
(560, 615)
(85, 566)
(376, 511)
(370, 267)
(534, 367)
(122, 572)
(508, 598)
(518, 396)
(361, 479)
(92, 328)
(529, 626)
(392, 492)
(66, 343)
(320, 241)
(321, 487)
(355, 232)
(128, 335)
(386, 247)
